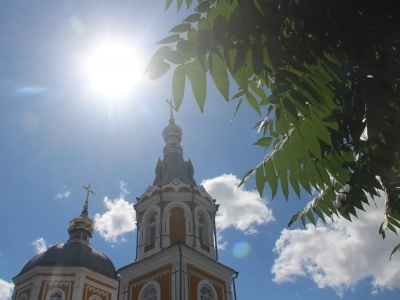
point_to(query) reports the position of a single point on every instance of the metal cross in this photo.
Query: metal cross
(88, 193)
(170, 105)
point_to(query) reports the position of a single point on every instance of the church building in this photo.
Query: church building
(176, 246)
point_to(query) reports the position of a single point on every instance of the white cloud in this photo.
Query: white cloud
(220, 241)
(340, 254)
(6, 289)
(123, 190)
(39, 245)
(241, 209)
(119, 219)
(63, 193)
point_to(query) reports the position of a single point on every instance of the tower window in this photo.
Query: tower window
(202, 229)
(206, 293)
(201, 234)
(151, 232)
(150, 293)
(152, 235)
(56, 294)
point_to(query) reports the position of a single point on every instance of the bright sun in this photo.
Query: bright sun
(113, 69)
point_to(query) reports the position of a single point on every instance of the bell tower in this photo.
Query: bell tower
(176, 254)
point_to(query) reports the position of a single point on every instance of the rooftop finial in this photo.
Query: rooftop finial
(171, 114)
(86, 206)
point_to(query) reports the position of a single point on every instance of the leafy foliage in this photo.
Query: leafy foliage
(323, 74)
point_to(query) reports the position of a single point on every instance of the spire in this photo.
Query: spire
(173, 166)
(81, 227)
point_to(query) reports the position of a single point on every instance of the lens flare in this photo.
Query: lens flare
(241, 249)
(114, 69)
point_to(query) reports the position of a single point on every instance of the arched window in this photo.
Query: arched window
(22, 297)
(55, 294)
(206, 293)
(151, 230)
(150, 293)
(202, 228)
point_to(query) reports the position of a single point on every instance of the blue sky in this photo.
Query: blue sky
(58, 134)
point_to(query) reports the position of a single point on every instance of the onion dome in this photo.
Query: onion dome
(76, 252)
(173, 166)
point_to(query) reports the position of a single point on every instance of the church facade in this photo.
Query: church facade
(176, 252)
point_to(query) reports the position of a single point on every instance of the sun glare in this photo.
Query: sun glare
(113, 69)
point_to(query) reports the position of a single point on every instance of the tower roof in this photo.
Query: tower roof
(173, 166)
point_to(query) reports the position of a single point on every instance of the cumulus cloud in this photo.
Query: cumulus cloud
(340, 254)
(241, 209)
(119, 219)
(63, 193)
(39, 245)
(221, 243)
(6, 289)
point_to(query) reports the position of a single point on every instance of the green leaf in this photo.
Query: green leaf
(175, 57)
(188, 48)
(394, 251)
(257, 56)
(241, 78)
(188, 3)
(179, 4)
(294, 183)
(294, 218)
(310, 216)
(192, 18)
(198, 81)
(238, 94)
(159, 70)
(320, 130)
(304, 182)
(323, 173)
(264, 142)
(392, 228)
(319, 213)
(157, 57)
(260, 179)
(382, 230)
(271, 177)
(311, 141)
(303, 219)
(394, 222)
(258, 90)
(185, 27)
(253, 102)
(170, 39)
(324, 207)
(178, 85)
(220, 27)
(242, 50)
(203, 7)
(281, 168)
(219, 74)
(300, 148)
(237, 109)
(168, 4)
(246, 176)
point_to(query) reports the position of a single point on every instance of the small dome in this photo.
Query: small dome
(73, 254)
(172, 133)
